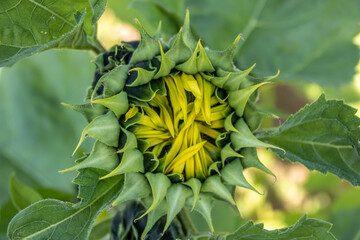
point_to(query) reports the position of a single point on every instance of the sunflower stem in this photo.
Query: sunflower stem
(186, 222)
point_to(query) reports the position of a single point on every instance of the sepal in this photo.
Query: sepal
(118, 103)
(132, 160)
(159, 184)
(175, 197)
(214, 185)
(89, 112)
(135, 186)
(232, 174)
(101, 156)
(224, 59)
(204, 206)
(104, 128)
(246, 138)
(239, 98)
(148, 47)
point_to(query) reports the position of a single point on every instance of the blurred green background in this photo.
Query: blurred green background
(315, 44)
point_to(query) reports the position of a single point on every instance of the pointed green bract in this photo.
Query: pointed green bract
(159, 184)
(214, 185)
(143, 76)
(190, 65)
(131, 161)
(142, 93)
(234, 79)
(175, 197)
(113, 81)
(228, 124)
(118, 103)
(246, 138)
(135, 186)
(188, 36)
(148, 47)
(166, 65)
(89, 112)
(104, 128)
(251, 160)
(195, 186)
(254, 116)
(128, 139)
(154, 216)
(203, 63)
(228, 152)
(239, 98)
(101, 156)
(179, 52)
(232, 174)
(224, 59)
(203, 206)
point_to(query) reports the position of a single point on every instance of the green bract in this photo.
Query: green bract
(176, 120)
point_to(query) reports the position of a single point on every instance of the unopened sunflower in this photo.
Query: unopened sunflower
(176, 120)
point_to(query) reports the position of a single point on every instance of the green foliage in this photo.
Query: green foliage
(32, 118)
(305, 228)
(323, 136)
(31, 26)
(55, 219)
(277, 34)
(22, 195)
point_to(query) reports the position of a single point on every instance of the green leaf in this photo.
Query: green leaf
(304, 229)
(54, 219)
(324, 136)
(91, 187)
(31, 26)
(21, 194)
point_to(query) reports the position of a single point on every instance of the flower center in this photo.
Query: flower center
(180, 127)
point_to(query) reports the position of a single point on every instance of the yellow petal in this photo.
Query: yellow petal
(185, 155)
(131, 112)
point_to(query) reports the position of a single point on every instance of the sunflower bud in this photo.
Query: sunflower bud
(176, 119)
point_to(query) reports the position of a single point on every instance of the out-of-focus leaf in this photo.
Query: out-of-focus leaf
(31, 26)
(7, 212)
(38, 135)
(346, 224)
(9, 166)
(22, 195)
(150, 13)
(323, 136)
(308, 40)
(54, 219)
(101, 230)
(305, 228)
